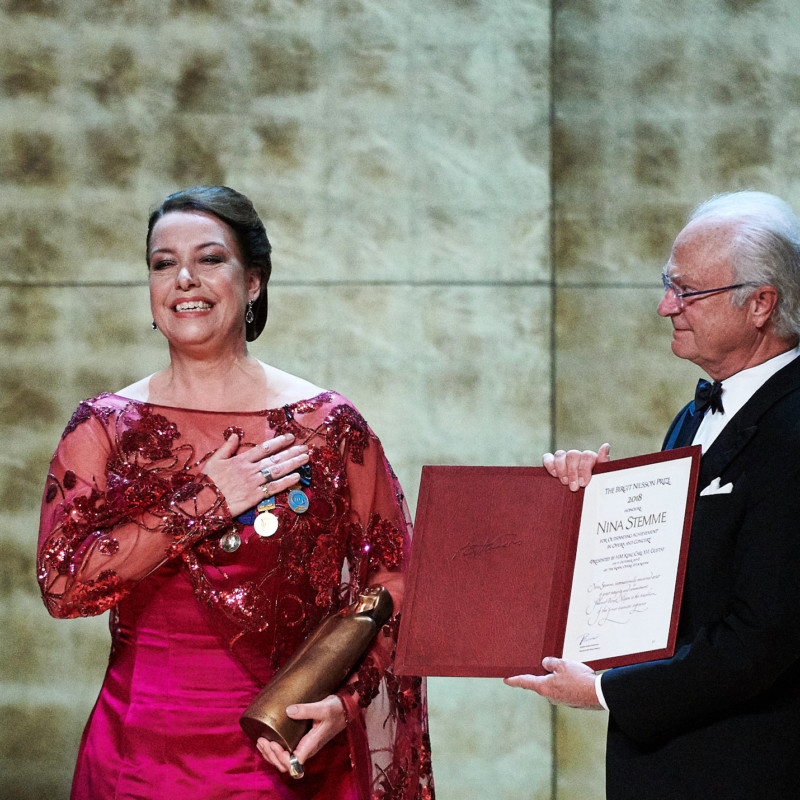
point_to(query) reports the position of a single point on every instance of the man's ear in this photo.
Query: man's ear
(762, 303)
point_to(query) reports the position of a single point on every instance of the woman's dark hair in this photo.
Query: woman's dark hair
(237, 212)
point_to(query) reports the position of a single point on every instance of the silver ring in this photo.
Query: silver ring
(295, 768)
(266, 473)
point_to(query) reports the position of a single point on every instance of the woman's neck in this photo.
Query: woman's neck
(223, 384)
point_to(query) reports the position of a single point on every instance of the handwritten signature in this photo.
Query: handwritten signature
(480, 548)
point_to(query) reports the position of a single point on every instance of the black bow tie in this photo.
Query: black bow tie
(708, 395)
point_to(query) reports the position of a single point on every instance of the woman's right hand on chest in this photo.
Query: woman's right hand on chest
(245, 477)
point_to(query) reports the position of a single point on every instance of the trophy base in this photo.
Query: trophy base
(293, 730)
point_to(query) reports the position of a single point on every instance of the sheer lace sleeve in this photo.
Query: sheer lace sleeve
(386, 714)
(122, 496)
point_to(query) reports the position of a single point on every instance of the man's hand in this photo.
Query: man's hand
(574, 467)
(568, 683)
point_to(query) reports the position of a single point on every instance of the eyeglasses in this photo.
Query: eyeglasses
(669, 286)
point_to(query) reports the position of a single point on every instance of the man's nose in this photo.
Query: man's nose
(670, 304)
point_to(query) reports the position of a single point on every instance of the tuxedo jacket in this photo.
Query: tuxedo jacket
(721, 719)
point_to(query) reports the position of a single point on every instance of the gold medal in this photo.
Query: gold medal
(265, 524)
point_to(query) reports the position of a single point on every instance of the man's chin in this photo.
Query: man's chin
(680, 345)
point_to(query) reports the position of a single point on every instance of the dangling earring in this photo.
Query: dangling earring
(249, 316)
(155, 327)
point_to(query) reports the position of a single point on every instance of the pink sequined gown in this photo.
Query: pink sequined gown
(130, 524)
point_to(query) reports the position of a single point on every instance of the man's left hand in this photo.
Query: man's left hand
(568, 683)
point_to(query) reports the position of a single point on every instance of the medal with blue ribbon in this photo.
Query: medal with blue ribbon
(265, 523)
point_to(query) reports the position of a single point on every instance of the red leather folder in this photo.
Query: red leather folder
(491, 570)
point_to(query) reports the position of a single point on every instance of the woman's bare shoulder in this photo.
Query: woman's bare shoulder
(285, 388)
(140, 390)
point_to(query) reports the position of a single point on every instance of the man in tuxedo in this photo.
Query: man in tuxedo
(721, 719)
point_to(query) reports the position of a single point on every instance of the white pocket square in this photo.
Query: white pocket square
(715, 488)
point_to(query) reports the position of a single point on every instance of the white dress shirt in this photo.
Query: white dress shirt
(736, 391)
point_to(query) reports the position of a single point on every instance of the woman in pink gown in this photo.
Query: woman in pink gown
(149, 512)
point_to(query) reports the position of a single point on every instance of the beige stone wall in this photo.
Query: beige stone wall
(405, 157)
(398, 153)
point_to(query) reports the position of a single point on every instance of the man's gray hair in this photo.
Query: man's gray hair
(766, 251)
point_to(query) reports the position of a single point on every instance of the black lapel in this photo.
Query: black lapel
(744, 424)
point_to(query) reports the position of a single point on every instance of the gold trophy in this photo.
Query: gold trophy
(318, 668)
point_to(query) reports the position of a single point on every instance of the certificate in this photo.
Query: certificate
(509, 566)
